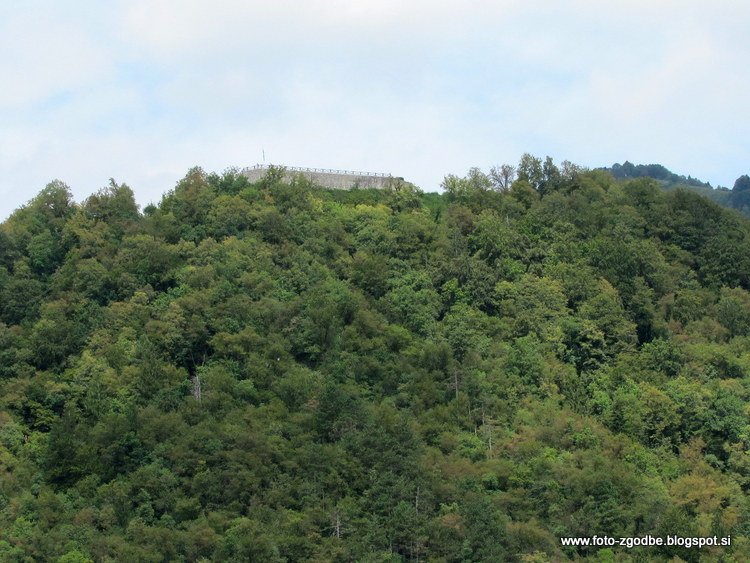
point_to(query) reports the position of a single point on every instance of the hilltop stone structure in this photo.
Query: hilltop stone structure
(336, 179)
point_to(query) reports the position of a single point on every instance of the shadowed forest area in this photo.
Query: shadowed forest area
(280, 372)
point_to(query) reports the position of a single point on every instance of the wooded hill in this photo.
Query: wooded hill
(278, 372)
(737, 198)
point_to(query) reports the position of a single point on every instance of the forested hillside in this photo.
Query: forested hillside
(278, 372)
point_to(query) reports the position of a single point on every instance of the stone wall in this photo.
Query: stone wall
(337, 179)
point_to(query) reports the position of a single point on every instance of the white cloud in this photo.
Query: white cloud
(142, 90)
(46, 54)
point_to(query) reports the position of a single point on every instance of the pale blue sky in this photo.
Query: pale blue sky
(142, 90)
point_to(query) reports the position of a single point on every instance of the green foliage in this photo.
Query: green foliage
(280, 372)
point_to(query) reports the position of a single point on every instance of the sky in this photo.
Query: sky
(143, 90)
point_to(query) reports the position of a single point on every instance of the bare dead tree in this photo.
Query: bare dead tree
(197, 387)
(502, 176)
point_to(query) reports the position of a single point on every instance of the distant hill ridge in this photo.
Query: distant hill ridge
(629, 170)
(737, 198)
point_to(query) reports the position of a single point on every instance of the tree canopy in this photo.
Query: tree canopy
(276, 371)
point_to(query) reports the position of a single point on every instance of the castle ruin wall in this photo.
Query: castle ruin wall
(336, 179)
